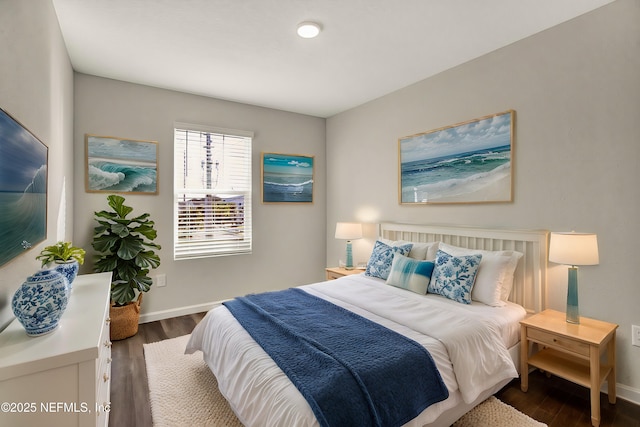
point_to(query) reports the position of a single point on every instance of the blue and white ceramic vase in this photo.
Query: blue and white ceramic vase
(39, 303)
(69, 269)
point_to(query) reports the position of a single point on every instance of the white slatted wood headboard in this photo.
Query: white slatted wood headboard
(529, 288)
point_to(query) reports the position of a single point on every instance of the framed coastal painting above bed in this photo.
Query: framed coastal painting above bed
(287, 178)
(469, 162)
(119, 165)
(23, 189)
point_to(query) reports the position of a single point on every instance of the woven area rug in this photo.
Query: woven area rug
(495, 413)
(184, 392)
(182, 389)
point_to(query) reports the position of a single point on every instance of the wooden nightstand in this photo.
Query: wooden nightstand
(572, 352)
(336, 272)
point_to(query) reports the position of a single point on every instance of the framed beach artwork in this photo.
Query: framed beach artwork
(469, 162)
(117, 165)
(23, 189)
(287, 178)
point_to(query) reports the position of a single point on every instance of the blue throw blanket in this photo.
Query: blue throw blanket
(352, 371)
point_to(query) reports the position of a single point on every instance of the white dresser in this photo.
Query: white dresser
(62, 378)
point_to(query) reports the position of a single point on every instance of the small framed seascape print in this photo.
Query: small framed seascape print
(470, 162)
(287, 178)
(23, 189)
(118, 165)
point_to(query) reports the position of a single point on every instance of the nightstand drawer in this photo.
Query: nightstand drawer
(333, 273)
(558, 342)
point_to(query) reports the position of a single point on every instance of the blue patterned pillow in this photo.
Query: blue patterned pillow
(453, 277)
(379, 264)
(410, 274)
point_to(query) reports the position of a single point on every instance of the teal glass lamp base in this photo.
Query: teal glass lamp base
(573, 313)
(349, 265)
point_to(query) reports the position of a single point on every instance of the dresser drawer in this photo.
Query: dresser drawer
(558, 342)
(103, 404)
(103, 376)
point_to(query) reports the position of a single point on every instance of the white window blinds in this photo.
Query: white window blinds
(212, 190)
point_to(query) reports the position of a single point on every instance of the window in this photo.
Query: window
(212, 191)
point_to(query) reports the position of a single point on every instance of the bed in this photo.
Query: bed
(261, 394)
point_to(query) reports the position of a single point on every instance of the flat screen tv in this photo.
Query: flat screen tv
(23, 189)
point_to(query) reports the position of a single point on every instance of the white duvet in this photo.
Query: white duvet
(467, 342)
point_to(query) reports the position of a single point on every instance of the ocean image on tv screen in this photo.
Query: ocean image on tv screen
(287, 178)
(23, 189)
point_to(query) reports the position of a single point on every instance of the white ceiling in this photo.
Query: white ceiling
(248, 50)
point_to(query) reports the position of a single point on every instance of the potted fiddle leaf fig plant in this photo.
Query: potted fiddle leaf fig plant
(63, 257)
(125, 247)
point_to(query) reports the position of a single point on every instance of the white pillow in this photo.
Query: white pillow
(419, 251)
(495, 275)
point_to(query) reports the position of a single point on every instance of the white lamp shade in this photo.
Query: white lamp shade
(348, 230)
(574, 248)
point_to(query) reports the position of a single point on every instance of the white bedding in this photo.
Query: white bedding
(467, 342)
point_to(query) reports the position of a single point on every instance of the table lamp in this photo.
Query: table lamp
(573, 249)
(348, 231)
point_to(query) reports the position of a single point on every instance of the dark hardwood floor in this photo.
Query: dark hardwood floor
(129, 390)
(560, 403)
(553, 401)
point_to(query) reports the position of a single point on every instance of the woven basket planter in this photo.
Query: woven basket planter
(124, 319)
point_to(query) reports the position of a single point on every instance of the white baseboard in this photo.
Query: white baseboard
(627, 393)
(176, 312)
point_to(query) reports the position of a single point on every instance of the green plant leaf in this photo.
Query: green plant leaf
(104, 226)
(126, 270)
(104, 243)
(122, 292)
(117, 204)
(106, 215)
(146, 230)
(143, 283)
(122, 230)
(130, 246)
(148, 260)
(141, 219)
(105, 264)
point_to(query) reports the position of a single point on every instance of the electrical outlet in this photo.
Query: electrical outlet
(161, 280)
(635, 335)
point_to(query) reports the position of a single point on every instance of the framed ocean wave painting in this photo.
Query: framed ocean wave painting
(117, 165)
(287, 178)
(23, 189)
(470, 162)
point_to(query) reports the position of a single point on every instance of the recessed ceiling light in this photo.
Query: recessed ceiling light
(308, 30)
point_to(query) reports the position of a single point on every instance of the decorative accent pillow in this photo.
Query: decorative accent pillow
(495, 275)
(379, 264)
(453, 277)
(410, 274)
(418, 250)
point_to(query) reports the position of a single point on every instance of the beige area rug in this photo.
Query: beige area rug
(184, 392)
(495, 413)
(182, 389)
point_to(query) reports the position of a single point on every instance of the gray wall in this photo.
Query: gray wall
(575, 89)
(36, 88)
(576, 92)
(288, 240)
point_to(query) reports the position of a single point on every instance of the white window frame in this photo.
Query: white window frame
(220, 239)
